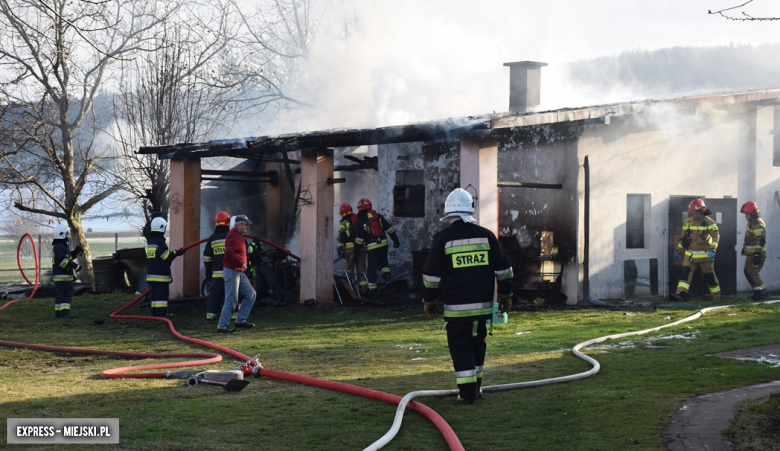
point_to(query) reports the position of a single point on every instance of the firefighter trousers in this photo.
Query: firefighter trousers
(216, 298)
(63, 296)
(752, 270)
(377, 261)
(707, 269)
(159, 298)
(356, 260)
(466, 340)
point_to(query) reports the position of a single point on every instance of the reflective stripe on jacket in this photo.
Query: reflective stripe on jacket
(462, 268)
(158, 261)
(755, 238)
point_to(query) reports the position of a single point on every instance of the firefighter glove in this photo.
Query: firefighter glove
(677, 256)
(711, 254)
(504, 304)
(75, 252)
(78, 268)
(757, 258)
(396, 243)
(431, 310)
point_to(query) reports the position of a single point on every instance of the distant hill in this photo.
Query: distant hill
(678, 71)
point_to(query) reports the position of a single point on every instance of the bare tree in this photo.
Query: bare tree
(745, 16)
(177, 92)
(55, 56)
(205, 70)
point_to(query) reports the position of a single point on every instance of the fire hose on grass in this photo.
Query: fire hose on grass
(247, 366)
(385, 439)
(21, 270)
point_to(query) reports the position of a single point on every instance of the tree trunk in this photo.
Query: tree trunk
(87, 274)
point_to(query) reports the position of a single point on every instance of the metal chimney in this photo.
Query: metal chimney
(525, 79)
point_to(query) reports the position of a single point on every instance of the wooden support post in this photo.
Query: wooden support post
(479, 174)
(184, 225)
(317, 226)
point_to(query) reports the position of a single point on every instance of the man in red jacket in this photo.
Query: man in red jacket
(236, 282)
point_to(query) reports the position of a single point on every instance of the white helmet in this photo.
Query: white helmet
(61, 231)
(459, 205)
(159, 225)
(232, 222)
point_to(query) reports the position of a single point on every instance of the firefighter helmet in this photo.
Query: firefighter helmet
(345, 209)
(61, 231)
(459, 205)
(159, 225)
(750, 208)
(364, 204)
(697, 205)
(222, 219)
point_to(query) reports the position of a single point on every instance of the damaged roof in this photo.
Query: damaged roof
(452, 128)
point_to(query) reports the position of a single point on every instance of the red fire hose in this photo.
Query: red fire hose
(449, 435)
(19, 262)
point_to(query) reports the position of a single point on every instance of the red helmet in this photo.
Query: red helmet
(750, 208)
(222, 219)
(697, 205)
(364, 204)
(345, 209)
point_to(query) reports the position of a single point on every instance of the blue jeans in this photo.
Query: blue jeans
(236, 284)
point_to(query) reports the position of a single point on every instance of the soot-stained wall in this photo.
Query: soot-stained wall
(439, 161)
(541, 155)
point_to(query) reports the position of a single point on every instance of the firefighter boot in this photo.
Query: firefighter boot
(681, 296)
(758, 293)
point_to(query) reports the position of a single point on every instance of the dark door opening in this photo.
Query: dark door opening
(724, 213)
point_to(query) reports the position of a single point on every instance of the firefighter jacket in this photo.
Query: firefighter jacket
(346, 239)
(755, 238)
(158, 259)
(462, 268)
(215, 252)
(62, 263)
(370, 230)
(699, 236)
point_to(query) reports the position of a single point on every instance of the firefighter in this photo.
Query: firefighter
(754, 248)
(697, 246)
(370, 232)
(64, 267)
(212, 259)
(462, 268)
(354, 255)
(158, 266)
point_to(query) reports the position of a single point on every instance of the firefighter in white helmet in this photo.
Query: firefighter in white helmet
(158, 266)
(64, 266)
(462, 268)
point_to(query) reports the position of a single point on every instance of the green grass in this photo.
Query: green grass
(626, 405)
(756, 425)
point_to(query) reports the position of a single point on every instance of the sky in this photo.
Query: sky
(404, 61)
(408, 61)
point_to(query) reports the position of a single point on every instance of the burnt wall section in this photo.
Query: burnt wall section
(546, 155)
(440, 163)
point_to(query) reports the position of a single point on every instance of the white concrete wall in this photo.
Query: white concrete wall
(715, 153)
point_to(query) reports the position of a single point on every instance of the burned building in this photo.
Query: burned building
(589, 201)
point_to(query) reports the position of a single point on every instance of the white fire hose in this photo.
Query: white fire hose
(399, 413)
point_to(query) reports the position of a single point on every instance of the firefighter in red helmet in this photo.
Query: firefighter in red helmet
(754, 248)
(370, 232)
(354, 254)
(212, 259)
(697, 246)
